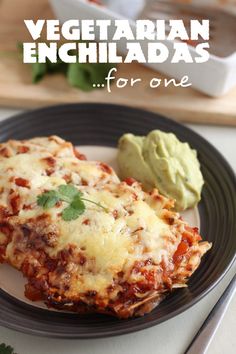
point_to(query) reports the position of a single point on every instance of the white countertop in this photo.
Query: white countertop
(171, 337)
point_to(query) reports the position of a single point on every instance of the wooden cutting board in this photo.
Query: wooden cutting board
(17, 90)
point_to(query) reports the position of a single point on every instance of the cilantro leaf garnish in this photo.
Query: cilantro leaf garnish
(6, 349)
(69, 194)
(70, 213)
(68, 191)
(48, 199)
(78, 203)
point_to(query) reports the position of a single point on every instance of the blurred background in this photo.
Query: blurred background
(188, 104)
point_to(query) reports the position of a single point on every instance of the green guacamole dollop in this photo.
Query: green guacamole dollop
(161, 160)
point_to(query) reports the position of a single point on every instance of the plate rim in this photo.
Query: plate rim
(141, 326)
(180, 125)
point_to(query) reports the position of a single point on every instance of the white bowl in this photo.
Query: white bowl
(214, 77)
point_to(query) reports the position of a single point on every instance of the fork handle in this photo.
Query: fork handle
(204, 336)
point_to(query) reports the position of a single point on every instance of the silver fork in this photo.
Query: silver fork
(204, 336)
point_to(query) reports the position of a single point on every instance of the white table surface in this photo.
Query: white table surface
(171, 337)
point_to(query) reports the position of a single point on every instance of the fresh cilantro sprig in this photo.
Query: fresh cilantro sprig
(69, 194)
(6, 349)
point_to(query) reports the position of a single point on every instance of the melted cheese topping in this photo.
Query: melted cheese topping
(97, 248)
(34, 165)
(112, 245)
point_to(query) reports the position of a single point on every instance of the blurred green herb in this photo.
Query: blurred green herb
(39, 70)
(6, 349)
(82, 76)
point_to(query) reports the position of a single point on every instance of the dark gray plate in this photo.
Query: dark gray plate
(102, 124)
